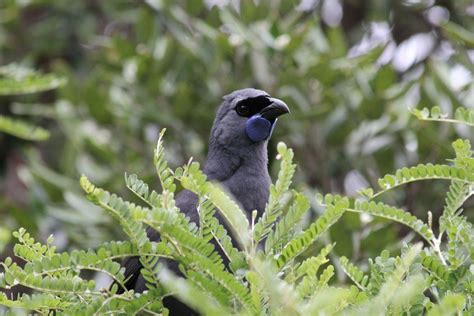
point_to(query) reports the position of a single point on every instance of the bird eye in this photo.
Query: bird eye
(242, 110)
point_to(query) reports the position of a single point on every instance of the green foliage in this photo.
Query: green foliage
(461, 115)
(274, 280)
(353, 272)
(382, 210)
(273, 210)
(135, 68)
(17, 80)
(301, 242)
(287, 226)
(22, 129)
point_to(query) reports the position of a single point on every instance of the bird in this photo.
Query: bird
(237, 159)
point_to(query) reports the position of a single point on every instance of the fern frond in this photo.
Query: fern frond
(434, 265)
(28, 249)
(308, 271)
(140, 303)
(310, 266)
(235, 256)
(286, 228)
(461, 115)
(462, 148)
(64, 264)
(257, 292)
(274, 207)
(453, 224)
(224, 279)
(423, 172)
(116, 207)
(142, 191)
(207, 221)
(191, 295)
(457, 194)
(300, 243)
(450, 221)
(449, 305)
(194, 180)
(128, 215)
(332, 301)
(149, 302)
(15, 275)
(380, 268)
(392, 286)
(311, 284)
(20, 80)
(211, 287)
(199, 255)
(191, 244)
(381, 210)
(161, 165)
(281, 296)
(210, 228)
(354, 273)
(35, 302)
(22, 129)
(460, 245)
(324, 278)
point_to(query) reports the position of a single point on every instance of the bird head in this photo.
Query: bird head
(247, 117)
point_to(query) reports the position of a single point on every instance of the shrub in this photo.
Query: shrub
(275, 268)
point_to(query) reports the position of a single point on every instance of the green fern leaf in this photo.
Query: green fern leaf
(449, 305)
(274, 207)
(383, 210)
(393, 286)
(191, 295)
(423, 172)
(354, 273)
(461, 115)
(16, 80)
(194, 180)
(142, 191)
(300, 243)
(164, 173)
(22, 129)
(36, 302)
(287, 227)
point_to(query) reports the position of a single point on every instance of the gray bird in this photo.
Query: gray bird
(237, 158)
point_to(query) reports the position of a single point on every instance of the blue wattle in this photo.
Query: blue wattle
(258, 128)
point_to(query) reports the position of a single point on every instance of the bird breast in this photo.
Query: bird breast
(250, 188)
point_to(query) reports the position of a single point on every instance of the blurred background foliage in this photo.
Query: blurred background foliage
(350, 70)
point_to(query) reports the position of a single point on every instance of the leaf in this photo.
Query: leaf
(287, 227)
(22, 129)
(449, 305)
(461, 115)
(191, 295)
(16, 82)
(297, 245)
(354, 273)
(395, 214)
(274, 207)
(458, 34)
(194, 180)
(423, 172)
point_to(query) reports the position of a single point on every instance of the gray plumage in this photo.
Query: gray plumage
(234, 160)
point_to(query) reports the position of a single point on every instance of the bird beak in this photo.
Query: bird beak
(275, 109)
